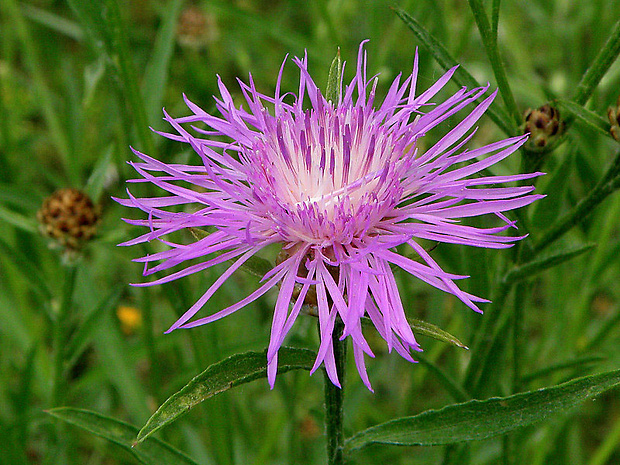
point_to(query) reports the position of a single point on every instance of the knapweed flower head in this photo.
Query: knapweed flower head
(339, 185)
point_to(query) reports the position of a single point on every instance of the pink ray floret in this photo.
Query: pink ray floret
(339, 185)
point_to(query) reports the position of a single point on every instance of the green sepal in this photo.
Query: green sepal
(334, 80)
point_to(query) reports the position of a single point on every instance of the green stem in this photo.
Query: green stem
(490, 44)
(334, 397)
(59, 337)
(605, 58)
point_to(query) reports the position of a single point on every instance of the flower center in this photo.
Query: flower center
(331, 171)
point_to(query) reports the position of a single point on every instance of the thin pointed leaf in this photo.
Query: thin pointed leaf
(601, 64)
(156, 74)
(477, 420)
(577, 362)
(53, 21)
(462, 77)
(541, 264)
(29, 269)
(96, 181)
(588, 117)
(87, 329)
(220, 377)
(18, 220)
(427, 329)
(155, 452)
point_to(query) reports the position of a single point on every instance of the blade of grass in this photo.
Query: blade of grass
(53, 21)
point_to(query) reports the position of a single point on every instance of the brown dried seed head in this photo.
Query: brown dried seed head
(69, 217)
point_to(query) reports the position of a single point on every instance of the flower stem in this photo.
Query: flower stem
(59, 337)
(334, 397)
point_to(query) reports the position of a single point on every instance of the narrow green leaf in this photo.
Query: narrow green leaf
(53, 21)
(110, 345)
(430, 330)
(103, 21)
(155, 452)
(462, 77)
(93, 76)
(334, 80)
(28, 268)
(85, 332)
(32, 60)
(477, 420)
(91, 15)
(156, 74)
(18, 220)
(601, 64)
(588, 117)
(220, 377)
(541, 264)
(96, 180)
(257, 266)
(577, 362)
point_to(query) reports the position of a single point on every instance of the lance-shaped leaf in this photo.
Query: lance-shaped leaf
(222, 376)
(484, 419)
(155, 452)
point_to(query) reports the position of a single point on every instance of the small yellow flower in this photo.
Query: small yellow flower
(130, 318)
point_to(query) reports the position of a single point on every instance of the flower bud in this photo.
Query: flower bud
(69, 217)
(613, 113)
(544, 125)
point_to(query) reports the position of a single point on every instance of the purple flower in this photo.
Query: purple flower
(338, 185)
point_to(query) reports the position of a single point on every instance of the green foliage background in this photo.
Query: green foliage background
(81, 81)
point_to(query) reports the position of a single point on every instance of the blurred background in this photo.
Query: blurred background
(81, 82)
